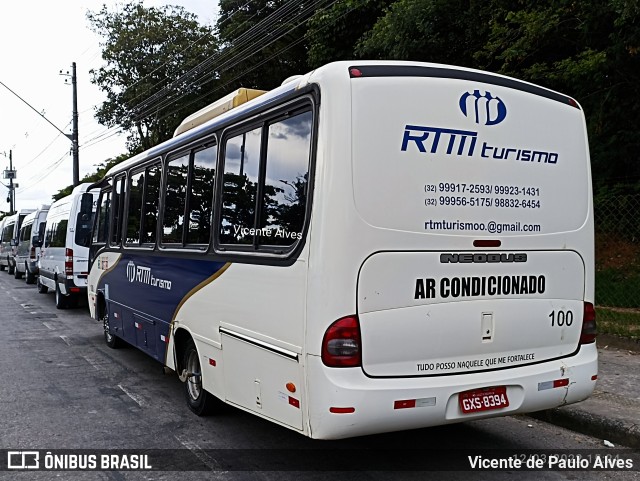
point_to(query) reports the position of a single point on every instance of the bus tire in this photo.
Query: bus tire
(10, 269)
(200, 402)
(42, 289)
(16, 273)
(61, 301)
(30, 278)
(110, 340)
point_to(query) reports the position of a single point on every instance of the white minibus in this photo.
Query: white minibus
(373, 246)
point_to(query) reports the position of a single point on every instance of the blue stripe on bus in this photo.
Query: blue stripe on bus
(156, 286)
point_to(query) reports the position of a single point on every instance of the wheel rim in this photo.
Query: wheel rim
(194, 383)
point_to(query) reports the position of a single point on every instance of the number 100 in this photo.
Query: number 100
(561, 318)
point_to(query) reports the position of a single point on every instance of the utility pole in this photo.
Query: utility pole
(11, 174)
(74, 132)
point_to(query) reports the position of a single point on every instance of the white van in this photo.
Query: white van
(3, 251)
(63, 260)
(30, 244)
(8, 246)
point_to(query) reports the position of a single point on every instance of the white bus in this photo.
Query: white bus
(371, 247)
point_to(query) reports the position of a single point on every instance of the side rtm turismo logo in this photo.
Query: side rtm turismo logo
(484, 109)
(143, 275)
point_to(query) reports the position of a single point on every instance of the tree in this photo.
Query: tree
(263, 42)
(333, 33)
(446, 31)
(153, 66)
(588, 50)
(96, 176)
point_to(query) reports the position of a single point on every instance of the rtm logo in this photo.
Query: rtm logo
(488, 110)
(131, 271)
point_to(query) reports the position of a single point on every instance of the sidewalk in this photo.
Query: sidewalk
(612, 413)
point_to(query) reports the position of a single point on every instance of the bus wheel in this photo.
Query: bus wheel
(61, 301)
(16, 273)
(10, 269)
(199, 401)
(30, 278)
(110, 340)
(42, 289)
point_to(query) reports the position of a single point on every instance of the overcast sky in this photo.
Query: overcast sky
(38, 39)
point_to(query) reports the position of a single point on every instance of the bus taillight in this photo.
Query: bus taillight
(68, 263)
(589, 330)
(341, 345)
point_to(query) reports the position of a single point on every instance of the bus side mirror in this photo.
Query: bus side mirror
(14, 242)
(35, 241)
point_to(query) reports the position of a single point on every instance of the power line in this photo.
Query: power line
(248, 42)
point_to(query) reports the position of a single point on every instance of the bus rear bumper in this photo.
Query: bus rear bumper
(344, 402)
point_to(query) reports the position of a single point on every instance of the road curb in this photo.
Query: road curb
(620, 431)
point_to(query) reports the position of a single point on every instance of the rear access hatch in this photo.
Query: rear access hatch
(427, 313)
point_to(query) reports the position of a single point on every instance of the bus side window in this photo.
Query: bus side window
(101, 232)
(118, 206)
(200, 195)
(175, 198)
(150, 206)
(284, 200)
(240, 187)
(134, 211)
(267, 169)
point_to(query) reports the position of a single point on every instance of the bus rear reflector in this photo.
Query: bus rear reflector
(341, 345)
(589, 330)
(337, 410)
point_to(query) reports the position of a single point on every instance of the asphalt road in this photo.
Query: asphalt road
(62, 388)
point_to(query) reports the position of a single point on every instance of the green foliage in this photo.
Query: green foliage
(96, 176)
(262, 42)
(588, 50)
(144, 50)
(334, 33)
(446, 31)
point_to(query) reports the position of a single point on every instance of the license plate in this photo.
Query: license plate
(484, 399)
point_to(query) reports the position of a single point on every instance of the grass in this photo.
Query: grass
(619, 322)
(618, 286)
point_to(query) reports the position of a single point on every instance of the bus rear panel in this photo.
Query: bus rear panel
(473, 276)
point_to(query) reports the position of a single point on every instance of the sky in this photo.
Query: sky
(38, 40)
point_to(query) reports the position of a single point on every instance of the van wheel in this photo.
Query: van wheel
(16, 273)
(30, 278)
(199, 401)
(42, 289)
(110, 340)
(61, 301)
